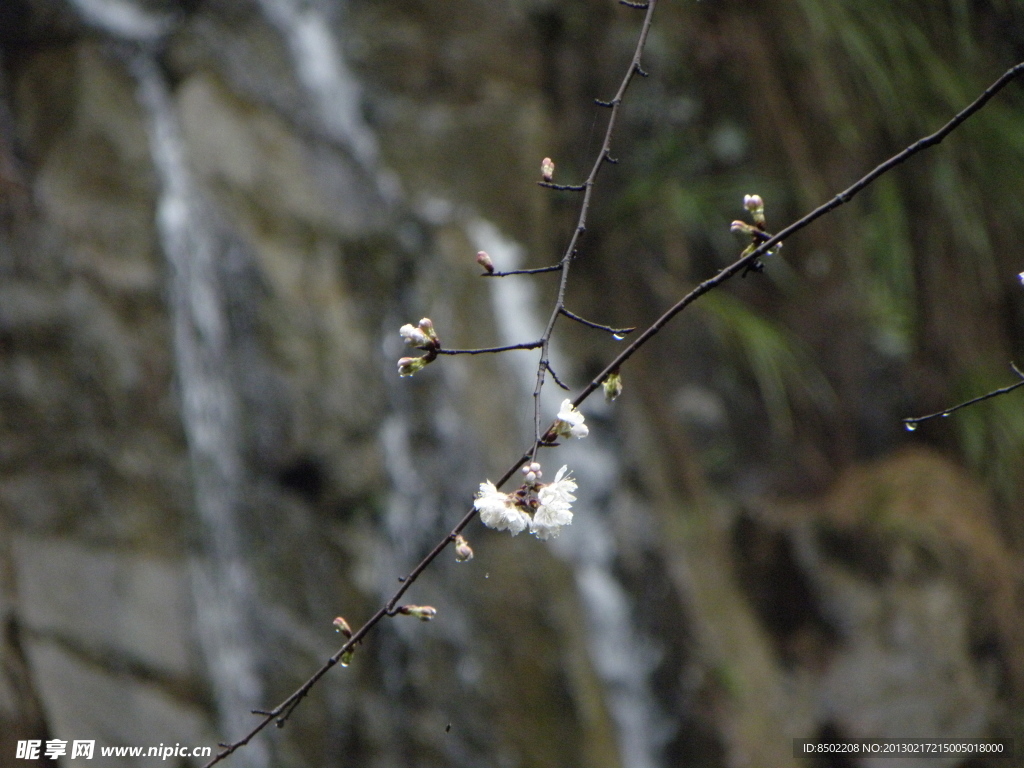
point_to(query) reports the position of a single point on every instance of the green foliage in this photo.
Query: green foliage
(886, 276)
(991, 433)
(781, 365)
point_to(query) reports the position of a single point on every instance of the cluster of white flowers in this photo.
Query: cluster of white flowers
(542, 507)
(555, 508)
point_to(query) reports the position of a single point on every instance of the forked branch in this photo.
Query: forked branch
(283, 711)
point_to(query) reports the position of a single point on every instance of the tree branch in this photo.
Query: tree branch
(282, 711)
(912, 423)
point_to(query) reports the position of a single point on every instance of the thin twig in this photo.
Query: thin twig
(486, 350)
(283, 710)
(563, 187)
(554, 376)
(598, 326)
(912, 423)
(581, 222)
(534, 271)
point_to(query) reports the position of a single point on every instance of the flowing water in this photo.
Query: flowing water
(225, 603)
(224, 600)
(623, 657)
(223, 585)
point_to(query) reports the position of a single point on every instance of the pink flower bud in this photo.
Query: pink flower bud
(547, 169)
(463, 551)
(342, 626)
(485, 261)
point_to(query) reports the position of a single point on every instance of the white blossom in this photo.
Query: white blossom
(497, 510)
(555, 508)
(570, 421)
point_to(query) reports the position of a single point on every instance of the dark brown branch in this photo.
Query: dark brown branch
(583, 321)
(535, 271)
(581, 222)
(843, 197)
(563, 187)
(554, 376)
(911, 424)
(486, 350)
(283, 710)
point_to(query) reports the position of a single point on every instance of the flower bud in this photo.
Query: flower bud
(342, 626)
(421, 612)
(427, 326)
(407, 366)
(463, 551)
(742, 227)
(612, 386)
(414, 337)
(755, 205)
(484, 260)
(547, 169)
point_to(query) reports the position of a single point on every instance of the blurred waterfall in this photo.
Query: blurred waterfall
(623, 658)
(223, 585)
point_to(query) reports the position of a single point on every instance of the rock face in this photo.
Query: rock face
(216, 216)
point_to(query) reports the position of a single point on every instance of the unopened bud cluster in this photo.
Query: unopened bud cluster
(757, 231)
(420, 336)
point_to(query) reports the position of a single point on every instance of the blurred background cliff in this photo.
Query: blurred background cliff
(216, 214)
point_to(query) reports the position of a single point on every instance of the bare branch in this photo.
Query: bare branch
(563, 187)
(618, 332)
(912, 423)
(843, 197)
(486, 350)
(535, 271)
(554, 376)
(283, 710)
(581, 223)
